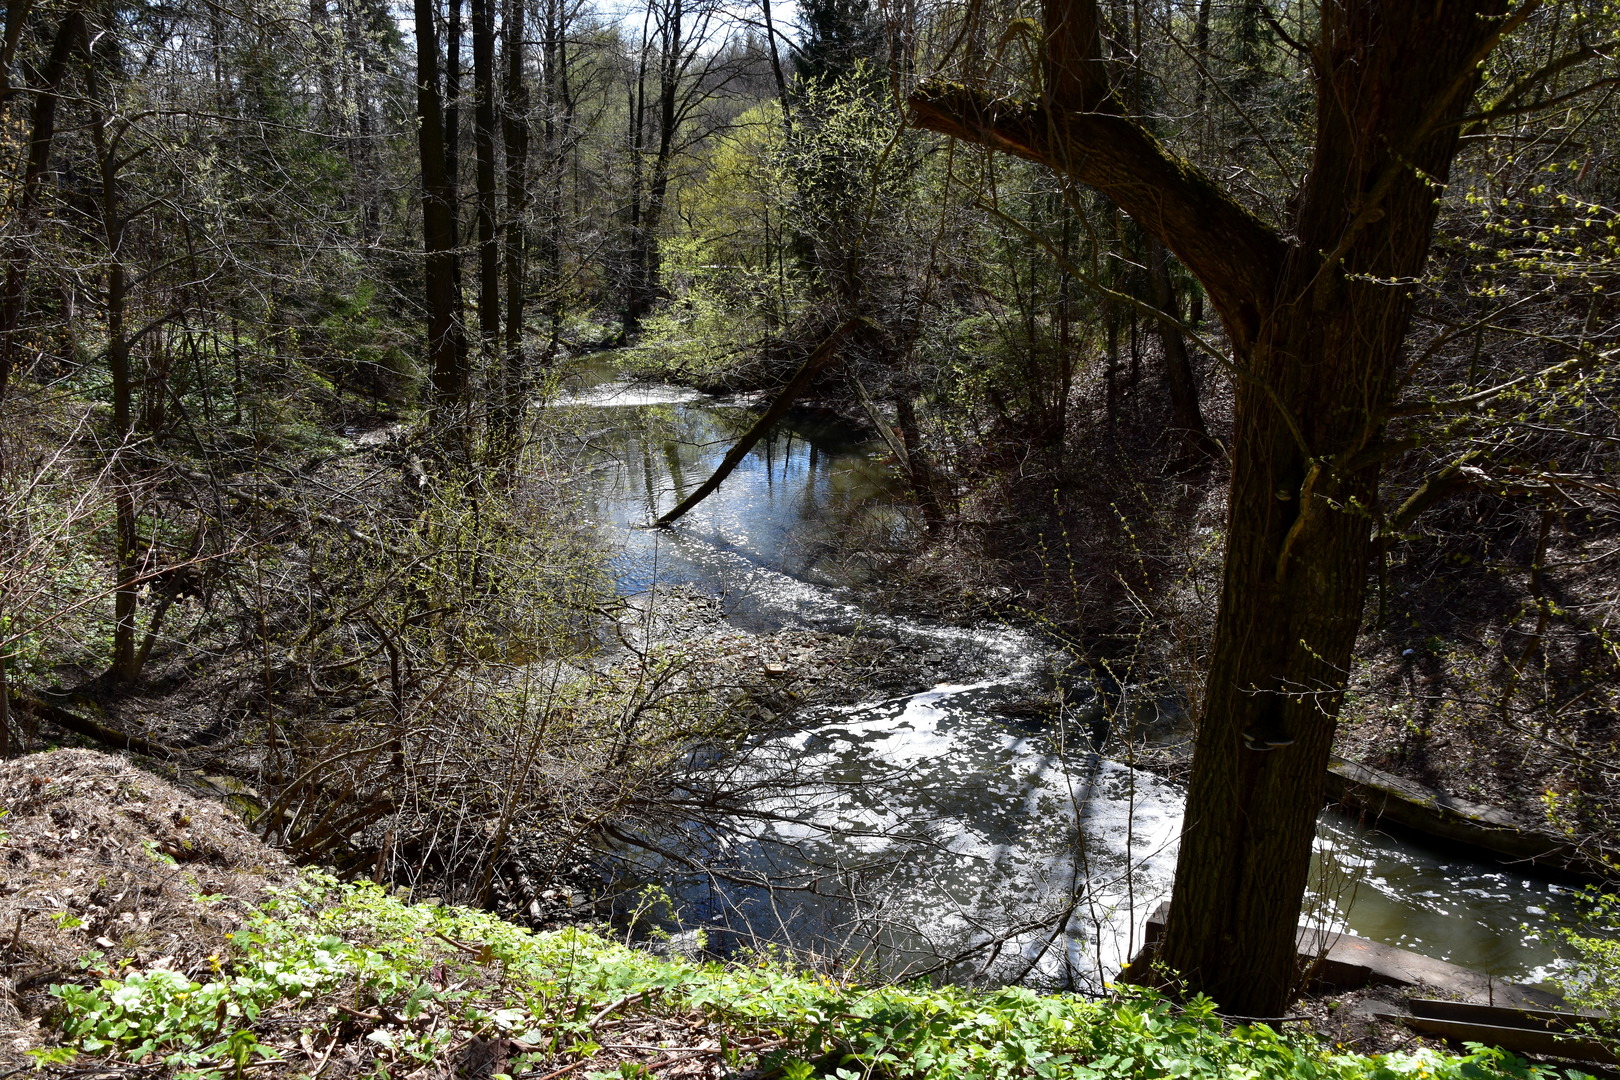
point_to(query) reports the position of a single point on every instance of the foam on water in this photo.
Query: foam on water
(924, 830)
(628, 395)
(957, 835)
(960, 836)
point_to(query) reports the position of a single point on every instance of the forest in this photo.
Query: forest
(1254, 356)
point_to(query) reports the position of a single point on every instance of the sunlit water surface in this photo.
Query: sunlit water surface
(932, 832)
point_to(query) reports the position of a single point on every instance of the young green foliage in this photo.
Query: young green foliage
(404, 985)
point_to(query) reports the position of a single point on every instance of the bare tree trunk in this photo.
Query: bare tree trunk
(634, 257)
(515, 135)
(557, 110)
(1201, 53)
(1188, 418)
(126, 568)
(451, 128)
(920, 472)
(1065, 328)
(446, 344)
(489, 254)
(69, 38)
(658, 190)
(5, 709)
(674, 48)
(17, 13)
(776, 70)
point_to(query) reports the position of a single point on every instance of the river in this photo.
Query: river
(939, 831)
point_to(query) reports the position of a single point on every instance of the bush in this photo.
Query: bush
(1592, 980)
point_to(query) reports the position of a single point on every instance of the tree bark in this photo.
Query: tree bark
(776, 70)
(126, 566)
(557, 125)
(1317, 332)
(446, 343)
(489, 254)
(515, 135)
(17, 13)
(674, 52)
(1179, 377)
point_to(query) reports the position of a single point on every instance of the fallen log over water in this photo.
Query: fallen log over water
(1391, 800)
(797, 385)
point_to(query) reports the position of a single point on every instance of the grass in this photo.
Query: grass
(331, 973)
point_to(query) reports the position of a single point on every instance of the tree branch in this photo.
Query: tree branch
(1234, 254)
(1574, 366)
(1505, 105)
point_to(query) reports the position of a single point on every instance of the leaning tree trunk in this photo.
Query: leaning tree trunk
(1317, 326)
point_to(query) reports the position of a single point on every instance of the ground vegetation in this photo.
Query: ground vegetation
(1262, 355)
(140, 965)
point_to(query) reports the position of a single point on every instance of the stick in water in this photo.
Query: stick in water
(800, 383)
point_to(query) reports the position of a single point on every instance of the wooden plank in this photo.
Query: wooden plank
(1518, 1040)
(1350, 961)
(1499, 1015)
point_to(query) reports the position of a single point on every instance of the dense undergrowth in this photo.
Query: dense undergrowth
(349, 977)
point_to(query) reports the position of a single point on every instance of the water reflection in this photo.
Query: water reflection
(1443, 903)
(812, 505)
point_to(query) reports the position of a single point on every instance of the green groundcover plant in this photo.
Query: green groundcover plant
(330, 966)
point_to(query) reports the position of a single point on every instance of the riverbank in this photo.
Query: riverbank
(772, 543)
(934, 805)
(967, 571)
(340, 980)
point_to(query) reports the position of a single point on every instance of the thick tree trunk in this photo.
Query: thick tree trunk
(1395, 81)
(1317, 329)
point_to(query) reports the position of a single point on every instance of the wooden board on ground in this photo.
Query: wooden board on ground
(1540, 1032)
(1344, 960)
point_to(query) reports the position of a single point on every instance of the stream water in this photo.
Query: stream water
(935, 832)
